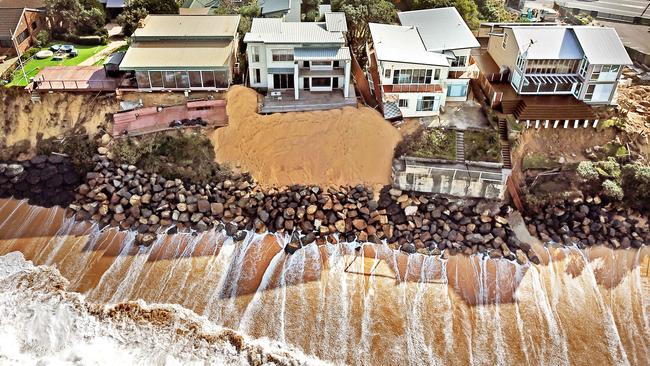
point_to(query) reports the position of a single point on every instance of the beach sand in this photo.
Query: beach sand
(337, 147)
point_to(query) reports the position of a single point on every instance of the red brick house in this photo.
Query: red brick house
(20, 20)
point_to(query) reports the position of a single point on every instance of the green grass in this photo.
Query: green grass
(33, 66)
(101, 62)
(538, 162)
(482, 146)
(432, 143)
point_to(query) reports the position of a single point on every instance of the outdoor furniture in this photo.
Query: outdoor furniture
(57, 58)
(74, 53)
(44, 54)
(55, 47)
(67, 48)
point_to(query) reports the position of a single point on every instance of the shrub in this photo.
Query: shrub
(428, 143)
(79, 147)
(635, 180)
(42, 38)
(587, 171)
(612, 190)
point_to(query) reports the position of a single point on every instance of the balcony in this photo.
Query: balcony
(318, 72)
(413, 88)
(549, 84)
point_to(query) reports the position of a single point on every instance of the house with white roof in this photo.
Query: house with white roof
(420, 65)
(293, 61)
(289, 10)
(550, 75)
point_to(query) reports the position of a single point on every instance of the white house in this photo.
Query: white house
(582, 61)
(293, 56)
(422, 63)
(287, 9)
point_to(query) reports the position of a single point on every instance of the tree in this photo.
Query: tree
(136, 10)
(78, 17)
(359, 13)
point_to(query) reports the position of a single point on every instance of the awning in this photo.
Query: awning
(177, 55)
(280, 70)
(321, 54)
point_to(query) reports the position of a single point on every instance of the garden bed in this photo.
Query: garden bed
(433, 143)
(482, 145)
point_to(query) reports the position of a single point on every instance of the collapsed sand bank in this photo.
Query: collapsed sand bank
(22, 120)
(336, 147)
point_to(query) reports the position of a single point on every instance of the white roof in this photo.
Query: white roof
(553, 43)
(602, 46)
(274, 30)
(399, 43)
(335, 22)
(187, 26)
(441, 29)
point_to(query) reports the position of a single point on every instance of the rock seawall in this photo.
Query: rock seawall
(43, 180)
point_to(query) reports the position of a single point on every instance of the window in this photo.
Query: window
(35, 24)
(22, 36)
(590, 91)
(221, 78)
(195, 79)
(156, 79)
(457, 90)
(615, 68)
(142, 77)
(170, 80)
(427, 103)
(403, 103)
(257, 76)
(182, 79)
(437, 76)
(595, 74)
(282, 54)
(254, 54)
(387, 73)
(460, 61)
(208, 79)
(415, 76)
(584, 66)
(335, 64)
(321, 82)
(282, 81)
(504, 44)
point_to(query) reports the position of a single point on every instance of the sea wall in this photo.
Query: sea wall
(43, 180)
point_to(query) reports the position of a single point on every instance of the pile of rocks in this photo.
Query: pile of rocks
(125, 196)
(44, 180)
(589, 222)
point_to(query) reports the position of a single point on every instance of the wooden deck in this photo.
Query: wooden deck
(73, 78)
(156, 119)
(307, 101)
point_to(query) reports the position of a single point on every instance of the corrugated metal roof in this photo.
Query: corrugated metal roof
(274, 30)
(315, 54)
(336, 22)
(188, 26)
(177, 55)
(273, 6)
(399, 43)
(602, 45)
(552, 43)
(441, 29)
(115, 4)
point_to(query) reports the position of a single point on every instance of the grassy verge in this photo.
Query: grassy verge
(33, 66)
(482, 146)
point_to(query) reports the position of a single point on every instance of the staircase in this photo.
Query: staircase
(505, 144)
(548, 110)
(510, 106)
(460, 146)
(36, 98)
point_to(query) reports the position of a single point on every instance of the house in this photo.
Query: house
(416, 67)
(183, 52)
(307, 63)
(287, 9)
(198, 7)
(20, 22)
(113, 7)
(527, 68)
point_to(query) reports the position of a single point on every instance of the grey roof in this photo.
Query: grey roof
(273, 6)
(117, 4)
(441, 29)
(9, 19)
(115, 58)
(315, 54)
(398, 43)
(628, 8)
(274, 30)
(602, 45)
(336, 22)
(553, 43)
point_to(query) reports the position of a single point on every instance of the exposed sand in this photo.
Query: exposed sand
(336, 147)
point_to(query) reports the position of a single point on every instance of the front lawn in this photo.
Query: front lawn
(33, 66)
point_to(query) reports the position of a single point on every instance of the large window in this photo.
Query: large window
(321, 63)
(22, 36)
(590, 91)
(282, 54)
(584, 65)
(321, 82)
(182, 79)
(460, 61)
(169, 80)
(415, 76)
(282, 81)
(457, 90)
(257, 76)
(142, 77)
(551, 66)
(427, 104)
(221, 78)
(387, 73)
(208, 79)
(403, 103)
(254, 53)
(195, 79)
(156, 79)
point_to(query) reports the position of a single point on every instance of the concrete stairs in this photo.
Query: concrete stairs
(460, 146)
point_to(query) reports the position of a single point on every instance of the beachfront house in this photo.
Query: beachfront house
(20, 22)
(416, 67)
(289, 10)
(303, 66)
(551, 74)
(183, 52)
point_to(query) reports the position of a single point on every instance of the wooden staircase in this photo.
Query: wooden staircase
(505, 144)
(546, 109)
(510, 106)
(460, 146)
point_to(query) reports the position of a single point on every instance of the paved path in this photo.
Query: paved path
(112, 46)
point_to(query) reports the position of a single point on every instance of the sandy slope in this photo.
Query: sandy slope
(335, 147)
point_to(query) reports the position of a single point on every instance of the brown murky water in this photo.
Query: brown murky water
(366, 305)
